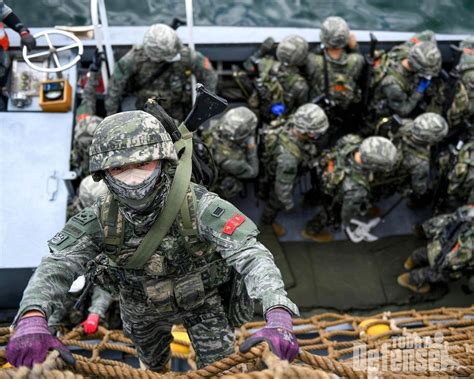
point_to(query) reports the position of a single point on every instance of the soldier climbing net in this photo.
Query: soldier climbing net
(406, 344)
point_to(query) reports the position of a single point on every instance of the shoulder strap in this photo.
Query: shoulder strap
(175, 198)
(113, 223)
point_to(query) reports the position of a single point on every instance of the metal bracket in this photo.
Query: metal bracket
(52, 185)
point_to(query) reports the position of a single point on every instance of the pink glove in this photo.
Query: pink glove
(278, 333)
(32, 341)
(91, 323)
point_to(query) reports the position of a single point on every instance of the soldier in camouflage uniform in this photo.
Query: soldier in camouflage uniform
(402, 78)
(210, 248)
(86, 121)
(461, 177)
(10, 19)
(233, 147)
(466, 71)
(349, 169)
(413, 141)
(160, 67)
(448, 254)
(339, 57)
(288, 150)
(280, 88)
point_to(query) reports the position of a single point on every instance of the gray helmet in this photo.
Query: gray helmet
(425, 59)
(334, 32)
(129, 137)
(292, 50)
(424, 36)
(84, 130)
(429, 128)
(378, 154)
(467, 43)
(161, 43)
(89, 191)
(310, 119)
(237, 124)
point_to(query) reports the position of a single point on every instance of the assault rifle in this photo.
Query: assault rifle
(207, 105)
(324, 100)
(369, 72)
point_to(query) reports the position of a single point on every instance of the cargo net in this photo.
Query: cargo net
(407, 344)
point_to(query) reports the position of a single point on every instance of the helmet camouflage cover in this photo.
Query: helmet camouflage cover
(89, 191)
(334, 32)
(429, 128)
(292, 50)
(310, 118)
(425, 59)
(161, 43)
(466, 62)
(378, 153)
(237, 124)
(129, 137)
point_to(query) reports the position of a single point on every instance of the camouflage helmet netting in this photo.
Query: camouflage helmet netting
(466, 62)
(89, 191)
(467, 43)
(161, 43)
(129, 137)
(292, 50)
(310, 118)
(334, 32)
(238, 123)
(425, 59)
(429, 128)
(378, 153)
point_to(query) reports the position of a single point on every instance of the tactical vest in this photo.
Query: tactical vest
(462, 177)
(171, 81)
(335, 165)
(182, 271)
(274, 138)
(343, 88)
(466, 69)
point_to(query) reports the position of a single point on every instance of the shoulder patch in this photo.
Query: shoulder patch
(84, 217)
(218, 212)
(58, 238)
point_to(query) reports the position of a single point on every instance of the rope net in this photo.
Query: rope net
(406, 344)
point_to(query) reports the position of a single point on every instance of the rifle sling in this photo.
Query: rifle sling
(175, 198)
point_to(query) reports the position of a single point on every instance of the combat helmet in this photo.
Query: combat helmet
(429, 128)
(292, 50)
(237, 124)
(161, 43)
(126, 138)
(425, 59)
(378, 154)
(310, 119)
(334, 32)
(90, 190)
(466, 62)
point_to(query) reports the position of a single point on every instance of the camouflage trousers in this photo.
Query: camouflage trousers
(150, 330)
(424, 273)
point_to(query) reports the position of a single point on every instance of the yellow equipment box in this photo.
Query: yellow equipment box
(55, 95)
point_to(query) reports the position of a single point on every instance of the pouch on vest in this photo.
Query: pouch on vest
(237, 302)
(160, 293)
(189, 291)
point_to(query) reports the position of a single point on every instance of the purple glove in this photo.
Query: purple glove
(278, 333)
(32, 341)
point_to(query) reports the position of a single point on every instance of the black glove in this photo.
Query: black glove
(267, 45)
(27, 39)
(97, 60)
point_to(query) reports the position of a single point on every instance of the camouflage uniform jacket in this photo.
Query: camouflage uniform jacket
(345, 180)
(461, 178)
(100, 301)
(396, 91)
(136, 74)
(343, 73)
(5, 10)
(181, 256)
(461, 254)
(284, 156)
(414, 160)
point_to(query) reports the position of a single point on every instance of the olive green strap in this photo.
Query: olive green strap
(175, 198)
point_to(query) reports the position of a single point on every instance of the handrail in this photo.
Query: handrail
(190, 25)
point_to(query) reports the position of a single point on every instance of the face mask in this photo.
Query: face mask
(136, 196)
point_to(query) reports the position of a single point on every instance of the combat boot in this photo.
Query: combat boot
(404, 281)
(321, 236)
(278, 229)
